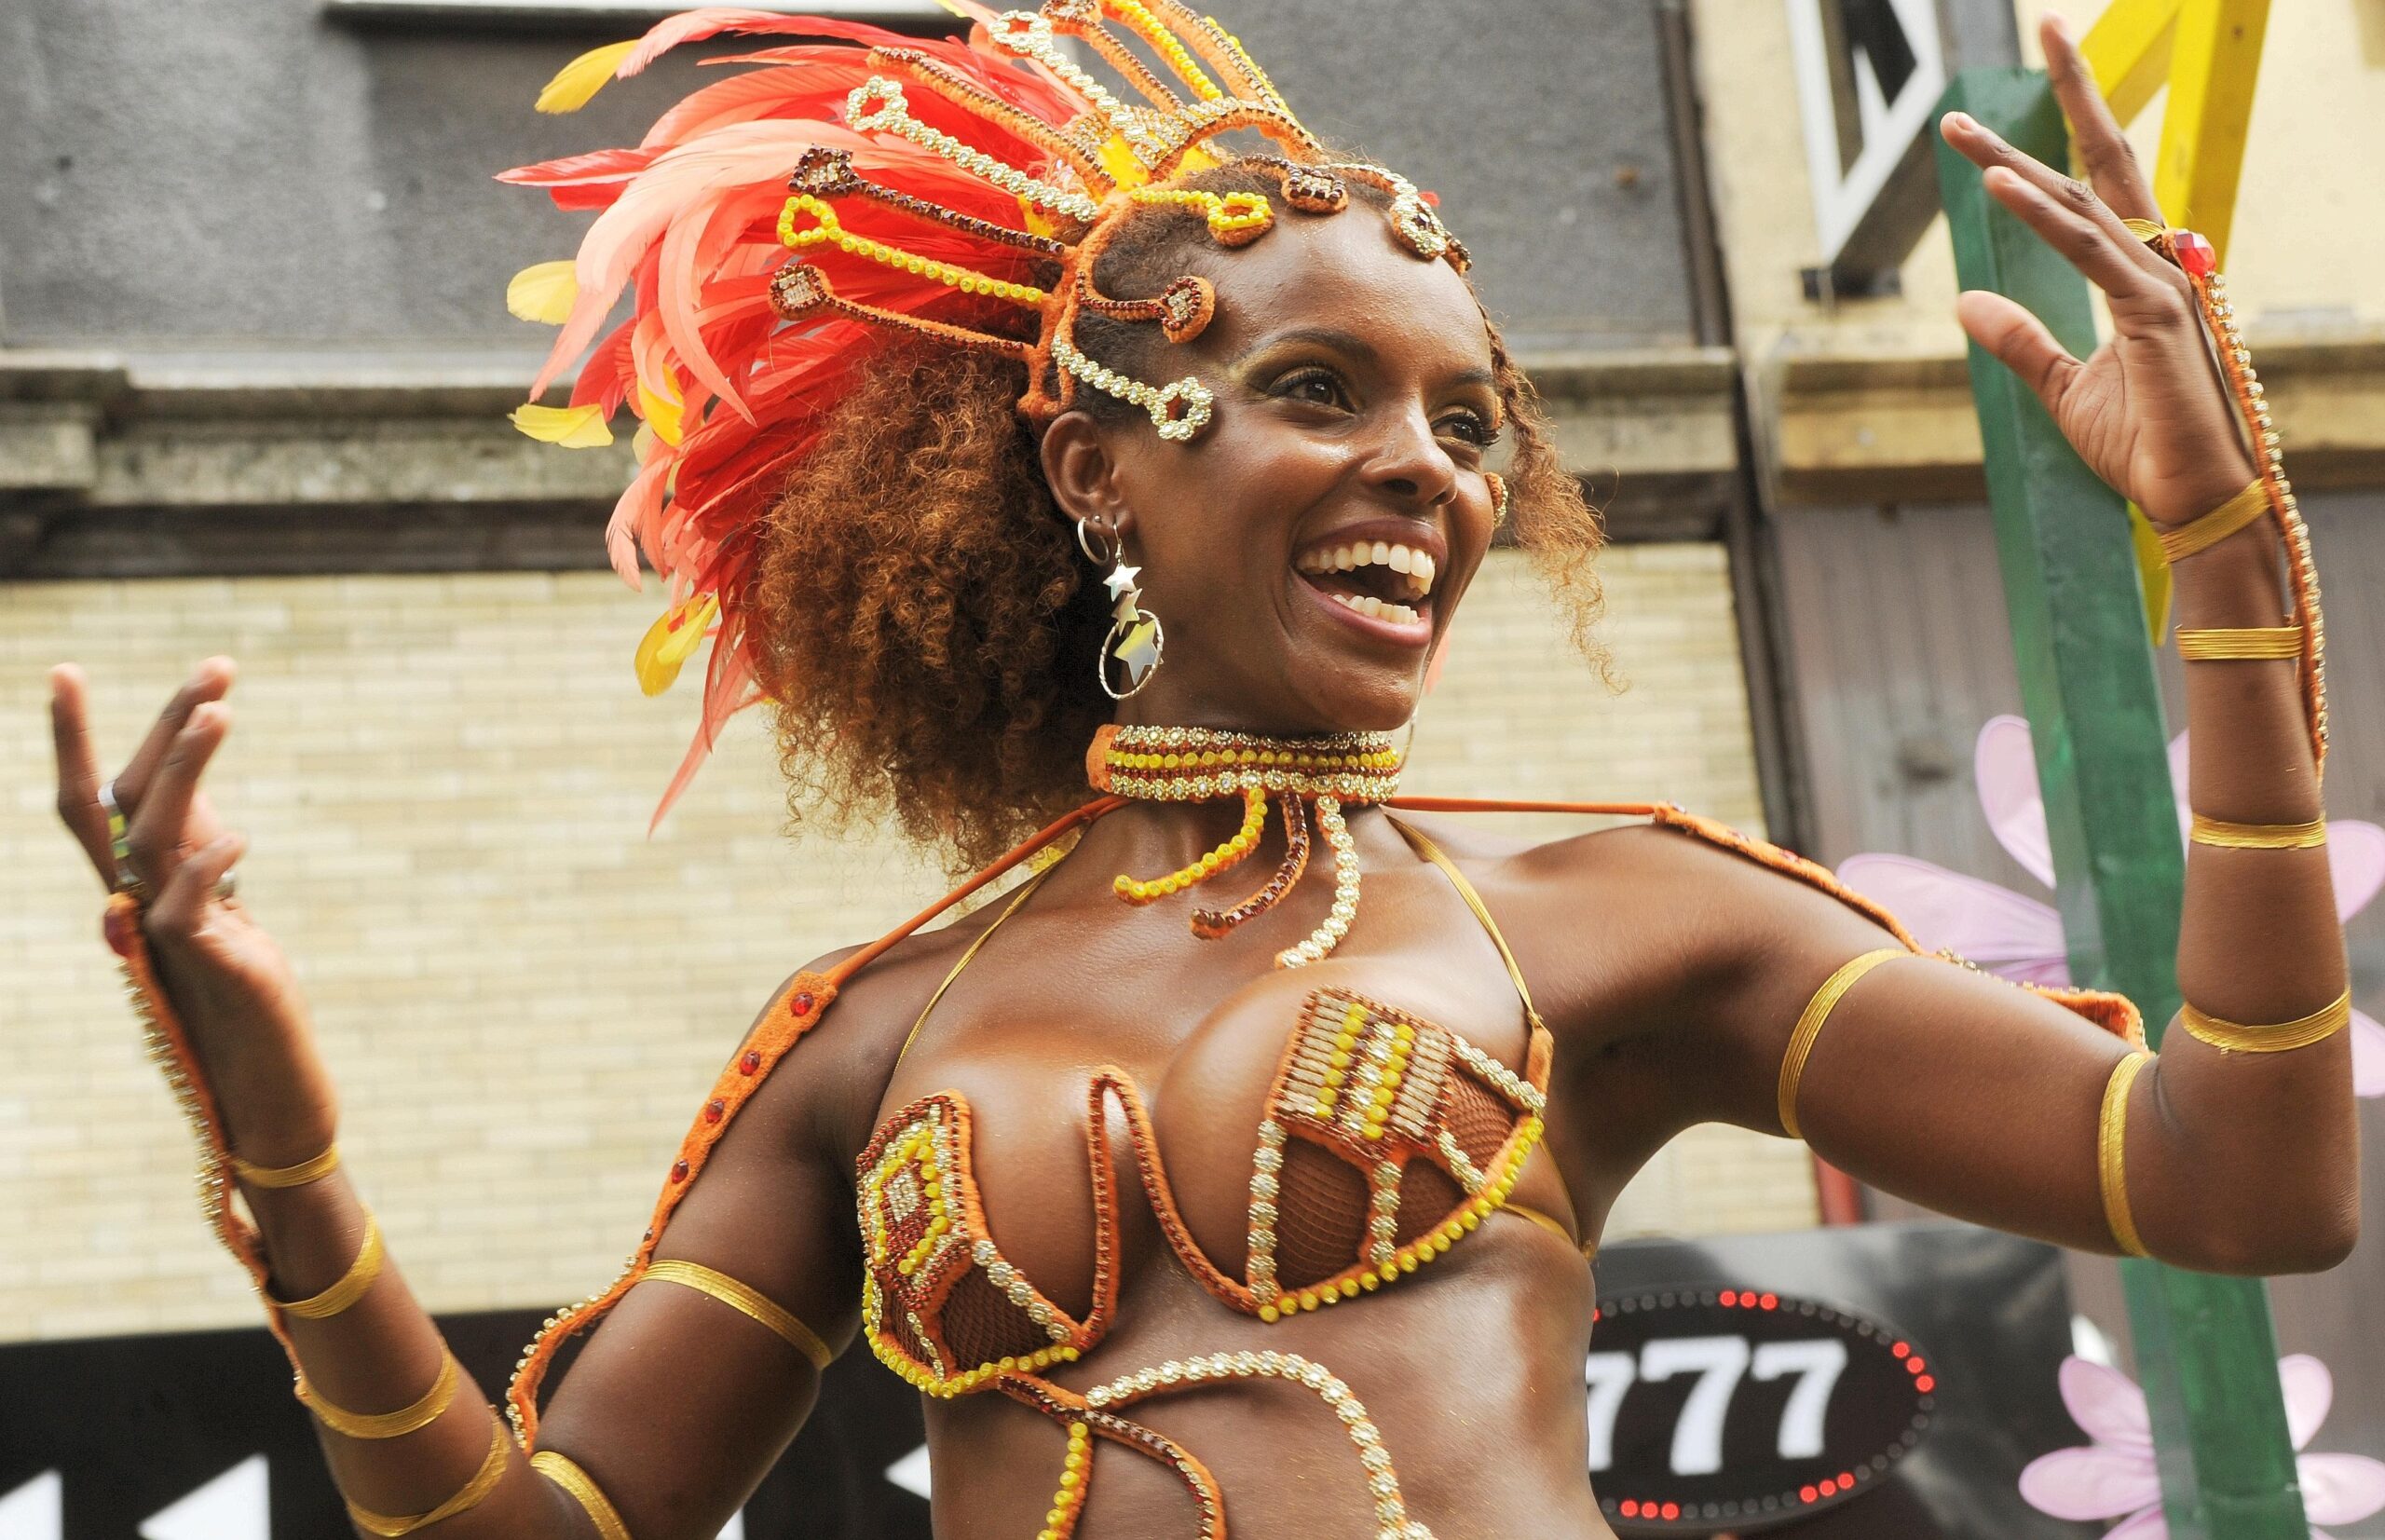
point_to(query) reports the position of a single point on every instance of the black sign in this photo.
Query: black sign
(1738, 1405)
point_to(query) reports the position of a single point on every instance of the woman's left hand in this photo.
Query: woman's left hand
(2147, 410)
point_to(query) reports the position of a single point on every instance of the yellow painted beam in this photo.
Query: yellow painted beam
(2216, 61)
(2129, 49)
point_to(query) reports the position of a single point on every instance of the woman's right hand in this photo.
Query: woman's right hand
(227, 979)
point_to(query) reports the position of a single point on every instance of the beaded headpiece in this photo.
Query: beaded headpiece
(776, 228)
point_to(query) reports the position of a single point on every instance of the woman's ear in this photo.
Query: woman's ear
(1082, 471)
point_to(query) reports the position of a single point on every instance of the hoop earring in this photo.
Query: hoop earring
(1135, 639)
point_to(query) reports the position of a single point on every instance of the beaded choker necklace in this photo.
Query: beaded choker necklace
(1204, 765)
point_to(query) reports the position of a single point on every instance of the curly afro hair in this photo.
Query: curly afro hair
(925, 627)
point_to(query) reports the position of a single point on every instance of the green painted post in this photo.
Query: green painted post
(2205, 1351)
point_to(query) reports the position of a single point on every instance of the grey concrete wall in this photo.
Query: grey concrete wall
(247, 173)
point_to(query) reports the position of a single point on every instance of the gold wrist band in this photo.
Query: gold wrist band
(385, 1425)
(287, 1176)
(2201, 534)
(1809, 1027)
(2273, 1038)
(2258, 837)
(740, 1297)
(583, 1489)
(351, 1288)
(2233, 644)
(2111, 1152)
(475, 1492)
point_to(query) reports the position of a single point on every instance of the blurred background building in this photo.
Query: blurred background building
(255, 363)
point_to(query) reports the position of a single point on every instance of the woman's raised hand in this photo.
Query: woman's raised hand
(2146, 411)
(227, 979)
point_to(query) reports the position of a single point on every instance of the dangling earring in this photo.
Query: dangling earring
(1498, 497)
(1136, 638)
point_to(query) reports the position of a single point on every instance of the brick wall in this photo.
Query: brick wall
(446, 780)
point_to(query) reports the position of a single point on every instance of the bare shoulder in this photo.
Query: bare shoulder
(825, 1093)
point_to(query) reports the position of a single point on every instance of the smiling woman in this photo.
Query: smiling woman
(1282, 1207)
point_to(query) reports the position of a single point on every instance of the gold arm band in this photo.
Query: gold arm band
(350, 1289)
(1809, 1027)
(2272, 1038)
(561, 1472)
(737, 1296)
(2220, 644)
(475, 1492)
(385, 1425)
(2201, 534)
(2258, 837)
(2111, 1154)
(287, 1176)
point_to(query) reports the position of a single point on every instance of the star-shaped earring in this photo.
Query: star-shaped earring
(1121, 581)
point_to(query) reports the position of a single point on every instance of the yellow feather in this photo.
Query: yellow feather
(577, 83)
(544, 291)
(671, 641)
(660, 411)
(572, 427)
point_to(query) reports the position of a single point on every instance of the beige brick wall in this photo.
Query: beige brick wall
(446, 780)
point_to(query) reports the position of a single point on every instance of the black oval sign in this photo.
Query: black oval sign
(1746, 1408)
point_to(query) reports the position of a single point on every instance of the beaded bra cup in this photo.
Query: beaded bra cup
(1383, 1139)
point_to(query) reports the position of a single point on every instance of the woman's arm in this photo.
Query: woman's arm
(680, 1401)
(2237, 1148)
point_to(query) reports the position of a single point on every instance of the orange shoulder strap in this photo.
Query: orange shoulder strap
(2113, 1012)
(796, 1009)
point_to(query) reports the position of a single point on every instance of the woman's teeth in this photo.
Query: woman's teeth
(1413, 565)
(1367, 603)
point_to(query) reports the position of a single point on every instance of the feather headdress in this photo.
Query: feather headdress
(776, 228)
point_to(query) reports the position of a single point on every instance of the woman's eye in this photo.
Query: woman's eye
(1313, 386)
(1470, 428)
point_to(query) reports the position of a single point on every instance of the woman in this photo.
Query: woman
(1256, 1220)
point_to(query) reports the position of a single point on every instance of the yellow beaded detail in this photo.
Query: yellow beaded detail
(287, 1176)
(2271, 1038)
(2111, 1141)
(829, 231)
(475, 1492)
(2258, 837)
(2228, 644)
(351, 1286)
(1180, 58)
(1233, 218)
(1246, 839)
(585, 1491)
(1076, 1472)
(742, 1299)
(1809, 1027)
(384, 1424)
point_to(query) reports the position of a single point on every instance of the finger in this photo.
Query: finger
(2110, 257)
(2019, 341)
(2109, 160)
(2135, 267)
(160, 829)
(210, 681)
(181, 906)
(78, 768)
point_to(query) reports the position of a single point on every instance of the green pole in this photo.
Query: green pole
(2205, 1351)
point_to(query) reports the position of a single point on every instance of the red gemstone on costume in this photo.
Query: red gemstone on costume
(2194, 252)
(715, 1110)
(803, 1003)
(750, 1063)
(679, 1170)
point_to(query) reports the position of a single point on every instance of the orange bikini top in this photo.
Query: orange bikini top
(1382, 1140)
(1423, 1164)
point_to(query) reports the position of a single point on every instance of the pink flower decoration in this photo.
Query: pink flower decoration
(2020, 938)
(2115, 1475)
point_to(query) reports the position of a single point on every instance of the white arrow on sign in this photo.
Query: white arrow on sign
(232, 1506)
(36, 1511)
(911, 1472)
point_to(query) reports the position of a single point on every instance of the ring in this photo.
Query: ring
(120, 844)
(228, 887)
